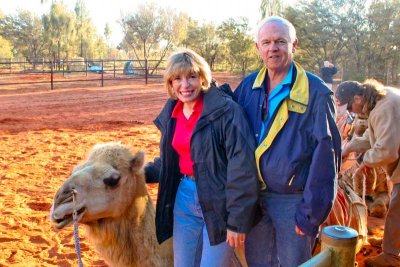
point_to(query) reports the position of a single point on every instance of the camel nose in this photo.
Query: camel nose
(64, 194)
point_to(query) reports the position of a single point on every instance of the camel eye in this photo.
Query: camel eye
(112, 181)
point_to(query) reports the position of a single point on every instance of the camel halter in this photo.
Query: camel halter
(76, 233)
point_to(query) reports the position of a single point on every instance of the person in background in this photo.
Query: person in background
(208, 186)
(298, 156)
(381, 143)
(327, 72)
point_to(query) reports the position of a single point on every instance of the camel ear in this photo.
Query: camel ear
(137, 160)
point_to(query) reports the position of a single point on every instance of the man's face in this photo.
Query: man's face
(275, 46)
(356, 105)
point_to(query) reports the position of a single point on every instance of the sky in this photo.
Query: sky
(110, 11)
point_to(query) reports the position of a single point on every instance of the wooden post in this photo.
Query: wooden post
(114, 68)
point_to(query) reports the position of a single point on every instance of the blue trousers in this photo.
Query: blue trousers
(273, 241)
(191, 243)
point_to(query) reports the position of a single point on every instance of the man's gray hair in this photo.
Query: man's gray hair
(292, 30)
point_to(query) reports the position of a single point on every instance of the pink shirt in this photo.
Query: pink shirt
(183, 134)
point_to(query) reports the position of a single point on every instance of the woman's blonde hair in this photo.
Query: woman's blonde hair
(186, 61)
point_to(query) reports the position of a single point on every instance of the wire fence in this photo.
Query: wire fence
(41, 71)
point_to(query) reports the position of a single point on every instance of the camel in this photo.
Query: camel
(376, 187)
(112, 201)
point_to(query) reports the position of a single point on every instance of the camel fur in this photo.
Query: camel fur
(113, 203)
(376, 188)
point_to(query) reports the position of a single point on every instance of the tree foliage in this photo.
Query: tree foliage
(5, 48)
(241, 53)
(151, 31)
(203, 39)
(362, 39)
(25, 32)
(271, 8)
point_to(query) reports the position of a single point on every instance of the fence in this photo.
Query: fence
(338, 248)
(78, 70)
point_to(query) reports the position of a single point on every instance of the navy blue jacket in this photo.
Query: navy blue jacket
(327, 74)
(301, 147)
(222, 150)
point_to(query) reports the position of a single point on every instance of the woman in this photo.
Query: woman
(208, 185)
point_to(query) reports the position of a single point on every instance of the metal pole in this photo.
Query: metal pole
(51, 74)
(145, 69)
(102, 73)
(322, 259)
(341, 242)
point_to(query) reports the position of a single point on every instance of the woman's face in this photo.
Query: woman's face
(186, 86)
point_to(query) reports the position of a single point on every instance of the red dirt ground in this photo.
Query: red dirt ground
(44, 133)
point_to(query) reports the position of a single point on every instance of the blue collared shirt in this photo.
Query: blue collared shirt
(275, 98)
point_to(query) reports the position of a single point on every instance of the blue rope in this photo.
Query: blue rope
(76, 233)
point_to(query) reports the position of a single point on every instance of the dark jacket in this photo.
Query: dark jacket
(222, 149)
(300, 151)
(327, 74)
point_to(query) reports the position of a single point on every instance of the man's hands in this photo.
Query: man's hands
(364, 169)
(235, 239)
(345, 151)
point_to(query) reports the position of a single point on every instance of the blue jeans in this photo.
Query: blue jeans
(273, 241)
(191, 244)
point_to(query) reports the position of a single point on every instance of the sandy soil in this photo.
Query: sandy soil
(43, 134)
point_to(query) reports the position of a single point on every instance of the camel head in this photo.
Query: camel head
(104, 185)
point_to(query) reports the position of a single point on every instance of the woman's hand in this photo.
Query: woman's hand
(235, 239)
(298, 231)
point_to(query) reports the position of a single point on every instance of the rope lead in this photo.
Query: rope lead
(76, 233)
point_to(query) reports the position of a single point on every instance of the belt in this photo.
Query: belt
(190, 177)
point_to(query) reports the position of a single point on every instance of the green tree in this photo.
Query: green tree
(271, 8)
(107, 32)
(204, 40)
(59, 31)
(25, 32)
(151, 32)
(241, 52)
(5, 48)
(384, 41)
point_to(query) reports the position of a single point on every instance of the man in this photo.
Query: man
(327, 72)
(381, 143)
(298, 155)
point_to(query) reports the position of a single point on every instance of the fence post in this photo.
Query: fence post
(10, 65)
(146, 70)
(114, 68)
(42, 65)
(51, 74)
(102, 73)
(341, 242)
